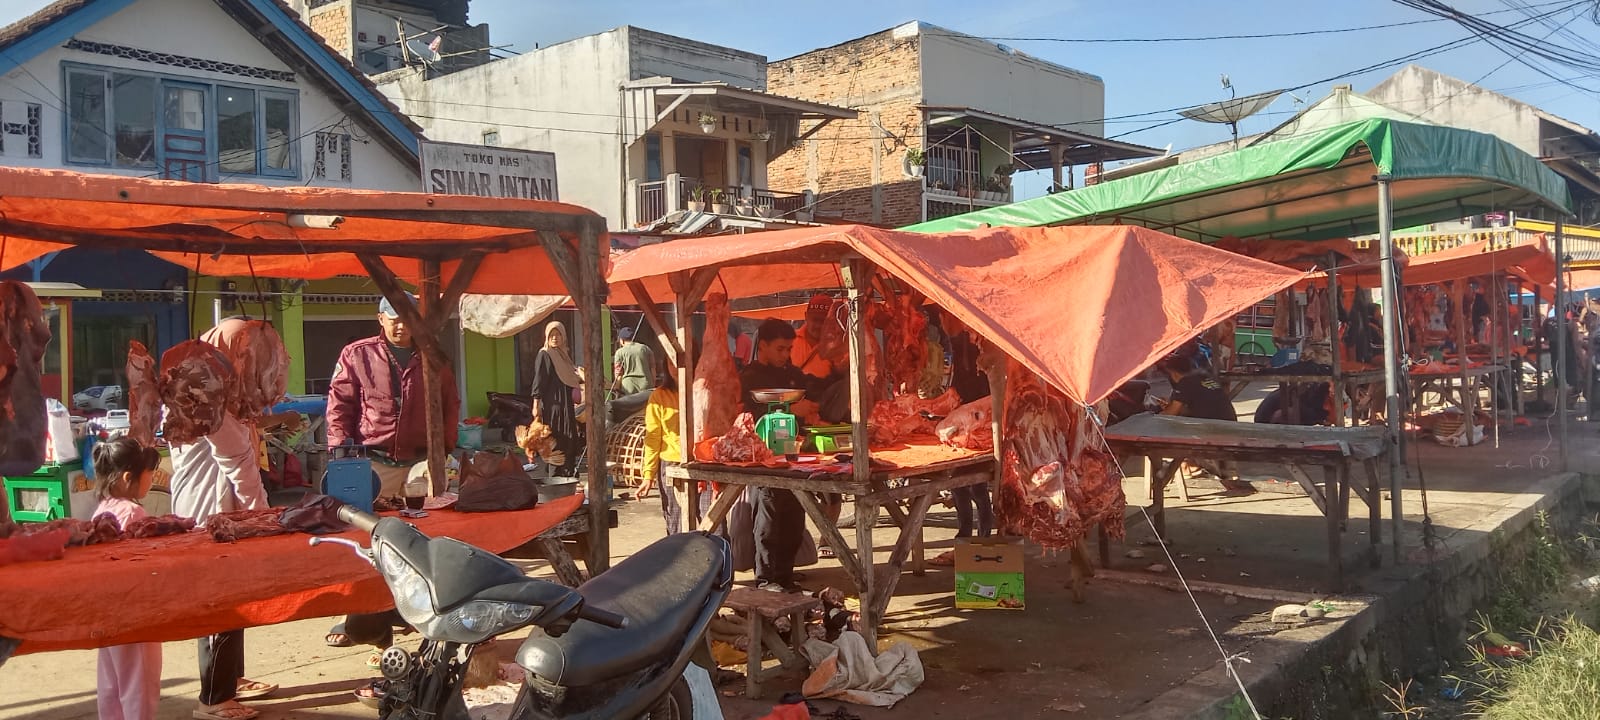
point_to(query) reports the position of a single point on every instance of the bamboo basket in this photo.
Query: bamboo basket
(625, 451)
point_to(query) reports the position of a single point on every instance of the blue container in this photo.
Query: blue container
(352, 482)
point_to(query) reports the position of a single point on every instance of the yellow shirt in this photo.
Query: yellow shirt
(812, 364)
(662, 442)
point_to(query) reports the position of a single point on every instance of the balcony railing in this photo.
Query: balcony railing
(651, 201)
(1415, 244)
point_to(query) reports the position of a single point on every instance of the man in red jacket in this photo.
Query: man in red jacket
(376, 399)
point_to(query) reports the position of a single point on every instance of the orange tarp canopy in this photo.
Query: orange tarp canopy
(1531, 261)
(187, 586)
(1580, 280)
(246, 229)
(1085, 307)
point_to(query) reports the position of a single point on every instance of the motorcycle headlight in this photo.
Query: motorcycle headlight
(479, 620)
(410, 590)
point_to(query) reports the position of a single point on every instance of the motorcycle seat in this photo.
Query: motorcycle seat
(662, 590)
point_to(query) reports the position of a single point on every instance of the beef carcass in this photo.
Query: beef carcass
(904, 337)
(242, 524)
(24, 335)
(260, 363)
(144, 400)
(157, 526)
(969, 426)
(903, 416)
(1058, 483)
(716, 377)
(197, 386)
(741, 444)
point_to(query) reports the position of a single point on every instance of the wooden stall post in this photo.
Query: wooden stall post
(855, 273)
(1338, 385)
(433, 359)
(1463, 309)
(688, 290)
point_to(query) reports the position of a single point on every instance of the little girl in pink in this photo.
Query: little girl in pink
(130, 675)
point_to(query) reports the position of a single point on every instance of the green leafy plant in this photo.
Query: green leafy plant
(717, 195)
(915, 157)
(697, 194)
(706, 118)
(1005, 170)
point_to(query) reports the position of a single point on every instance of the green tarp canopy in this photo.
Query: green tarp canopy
(1310, 186)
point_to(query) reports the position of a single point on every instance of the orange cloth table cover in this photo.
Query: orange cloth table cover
(188, 586)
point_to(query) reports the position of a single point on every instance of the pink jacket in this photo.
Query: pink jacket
(362, 406)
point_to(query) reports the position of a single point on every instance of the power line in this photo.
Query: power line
(1253, 36)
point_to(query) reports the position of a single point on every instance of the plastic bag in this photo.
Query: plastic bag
(491, 482)
(59, 446)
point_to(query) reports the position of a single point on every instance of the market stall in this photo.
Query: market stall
(444, 246)
(1137, 294)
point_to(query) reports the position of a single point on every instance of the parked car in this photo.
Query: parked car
(99, 397)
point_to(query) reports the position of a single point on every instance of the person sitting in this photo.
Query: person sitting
(1195, 393)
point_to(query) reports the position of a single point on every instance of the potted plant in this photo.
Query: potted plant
(1002, 176)
(940, 187)
(744, 207)
(916, 161)
(708, 123)
(719, 202)
(697, 199)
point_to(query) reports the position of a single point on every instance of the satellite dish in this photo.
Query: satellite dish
(1229, 112)
(427, 52)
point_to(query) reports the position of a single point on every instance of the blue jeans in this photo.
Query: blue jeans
(965, 498)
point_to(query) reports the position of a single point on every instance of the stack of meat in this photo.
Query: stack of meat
(907, 415)
(23, 337)
(1058, 481)
(970, 426)
(741, 444)
(144, 399)
(197, 386)
(259, 361)
(716, 377)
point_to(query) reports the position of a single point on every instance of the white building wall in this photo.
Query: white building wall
(964, 71)
(1448, 101)
(653, 54)
(199, 29)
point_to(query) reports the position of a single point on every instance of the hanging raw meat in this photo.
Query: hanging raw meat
(144, 400)
(197, 385)
(969, 426)
(1058, 482)
(904, 337)
(259, 361)
(716, 377)
(835, 343)
(741, 444)
(24, 335)
(1317, 315)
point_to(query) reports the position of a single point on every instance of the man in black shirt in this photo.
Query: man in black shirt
(779, 520)
(1195, 393)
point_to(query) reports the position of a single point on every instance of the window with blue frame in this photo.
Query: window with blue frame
(652, 158)
(180, 127)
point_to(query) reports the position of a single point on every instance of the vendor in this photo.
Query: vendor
(815, 356)
(780, 522)
(1194, 392)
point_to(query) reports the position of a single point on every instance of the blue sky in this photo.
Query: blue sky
(1138, 77)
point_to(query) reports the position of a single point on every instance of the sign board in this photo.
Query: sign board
(484, 171)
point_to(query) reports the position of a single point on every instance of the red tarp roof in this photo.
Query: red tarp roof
(243, 229)
(1531, 261)
(1085, 307)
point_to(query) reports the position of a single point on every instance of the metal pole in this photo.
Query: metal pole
(1562, 337)
(1391, 358)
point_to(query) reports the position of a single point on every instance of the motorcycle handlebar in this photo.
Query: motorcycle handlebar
(364, 522)
(603, 617)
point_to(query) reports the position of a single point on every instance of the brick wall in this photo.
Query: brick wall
(334, 23)
(879, 75)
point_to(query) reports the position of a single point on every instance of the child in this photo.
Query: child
(130, 675)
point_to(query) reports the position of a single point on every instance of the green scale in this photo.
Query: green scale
(778, 428)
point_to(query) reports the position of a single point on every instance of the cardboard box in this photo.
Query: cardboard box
(989, 573)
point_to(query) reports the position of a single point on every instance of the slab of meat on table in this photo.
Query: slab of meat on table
(716, 377)
(900, 417)
(102, 529)
(242, 524)
(24, 336)
(1058, 481)
(259, 361)
(741, 444)
(144, 400)
(197, 386)
(157, 526)
(34, 546)
(969, 426)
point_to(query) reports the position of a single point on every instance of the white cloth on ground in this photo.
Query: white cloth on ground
(846, 670)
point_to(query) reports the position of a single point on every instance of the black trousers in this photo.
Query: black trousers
(221, 666)
(779, 523)
(375, 629)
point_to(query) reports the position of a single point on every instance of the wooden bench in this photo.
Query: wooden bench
(762, 608)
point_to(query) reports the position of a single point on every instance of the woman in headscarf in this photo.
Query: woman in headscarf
(555, 378)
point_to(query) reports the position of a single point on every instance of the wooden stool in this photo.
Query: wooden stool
(762, 608)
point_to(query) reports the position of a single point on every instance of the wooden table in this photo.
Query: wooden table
(1464, 384)
(1235, 383)
(1169, 441)
(914, 473)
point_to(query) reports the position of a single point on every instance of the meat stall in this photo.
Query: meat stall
(1049, 356)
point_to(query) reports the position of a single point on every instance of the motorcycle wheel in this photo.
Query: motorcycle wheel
(677, 704)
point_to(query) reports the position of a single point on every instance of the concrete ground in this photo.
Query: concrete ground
(1110, 656)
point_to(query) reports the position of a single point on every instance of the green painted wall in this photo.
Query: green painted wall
(490, 366)
(285, 313)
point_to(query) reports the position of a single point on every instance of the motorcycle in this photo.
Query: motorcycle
(617, 647)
